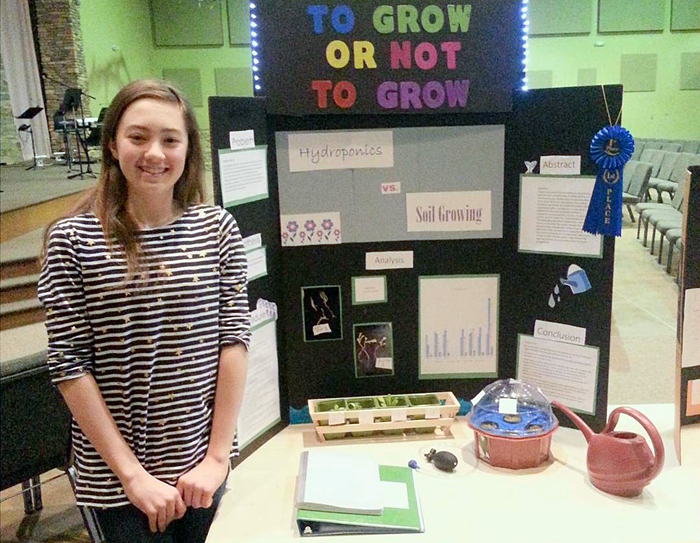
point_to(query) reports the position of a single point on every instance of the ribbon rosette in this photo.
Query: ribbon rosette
(610, 149)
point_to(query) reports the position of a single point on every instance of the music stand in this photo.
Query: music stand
(72, 101)
(28, 114)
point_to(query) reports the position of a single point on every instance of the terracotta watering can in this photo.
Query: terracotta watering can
(620, 463)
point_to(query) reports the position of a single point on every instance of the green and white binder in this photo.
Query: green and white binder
(393, 520)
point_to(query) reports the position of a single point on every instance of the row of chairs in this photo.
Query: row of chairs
(664, 218)
(635, 178)
(668, 169)
(677, 146)
(659, 166)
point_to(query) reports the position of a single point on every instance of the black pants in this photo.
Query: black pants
(127, 524)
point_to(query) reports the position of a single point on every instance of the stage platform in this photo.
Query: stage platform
(23, 188)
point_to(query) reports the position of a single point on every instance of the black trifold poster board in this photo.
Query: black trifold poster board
(542, 123)
(689, 278)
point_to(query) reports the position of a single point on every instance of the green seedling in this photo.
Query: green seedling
(388, 401)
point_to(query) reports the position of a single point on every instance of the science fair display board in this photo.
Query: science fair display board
(364, 311)
(688, 344)
(417, 253)
(241, 169)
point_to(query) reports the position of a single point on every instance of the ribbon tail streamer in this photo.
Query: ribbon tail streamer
(604, 214)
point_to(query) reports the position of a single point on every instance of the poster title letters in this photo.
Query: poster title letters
(419, 56)
(404, 54)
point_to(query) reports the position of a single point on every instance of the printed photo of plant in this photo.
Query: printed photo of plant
(374, 349)
(321, 307)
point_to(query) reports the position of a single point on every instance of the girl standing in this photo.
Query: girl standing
(148, 324)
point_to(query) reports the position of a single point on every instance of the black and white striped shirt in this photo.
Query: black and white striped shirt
(152, 347)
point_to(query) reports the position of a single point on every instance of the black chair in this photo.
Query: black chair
(34, 427)
(35, 433)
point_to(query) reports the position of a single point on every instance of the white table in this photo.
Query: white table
(552, 503)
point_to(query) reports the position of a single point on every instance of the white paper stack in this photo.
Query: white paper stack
(338, 483)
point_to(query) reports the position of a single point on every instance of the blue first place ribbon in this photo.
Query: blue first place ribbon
(610, 149)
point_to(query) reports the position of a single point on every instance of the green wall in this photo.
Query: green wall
(117, 46)
(126, 24)
(666, 112)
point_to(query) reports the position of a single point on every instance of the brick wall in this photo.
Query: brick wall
(61, 55)
(10, 151)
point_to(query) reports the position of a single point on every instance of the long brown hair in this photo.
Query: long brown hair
(107, 200)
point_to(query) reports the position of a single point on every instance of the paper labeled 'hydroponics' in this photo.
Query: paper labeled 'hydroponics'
(336, 150)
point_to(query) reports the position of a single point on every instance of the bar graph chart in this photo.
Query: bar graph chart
(458, 325)
(472, 342)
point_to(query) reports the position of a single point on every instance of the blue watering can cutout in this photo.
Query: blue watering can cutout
(576, 280)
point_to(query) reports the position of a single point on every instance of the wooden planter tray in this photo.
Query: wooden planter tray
(346, 425)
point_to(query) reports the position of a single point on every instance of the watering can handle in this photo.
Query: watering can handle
(656, 441)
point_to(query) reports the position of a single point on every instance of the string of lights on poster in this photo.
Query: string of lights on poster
(360, 56)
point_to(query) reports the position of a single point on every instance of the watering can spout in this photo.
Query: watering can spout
(578, 421)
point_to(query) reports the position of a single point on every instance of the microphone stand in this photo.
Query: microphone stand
(80, 140)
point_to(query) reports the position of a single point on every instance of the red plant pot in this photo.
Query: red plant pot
(512, 452)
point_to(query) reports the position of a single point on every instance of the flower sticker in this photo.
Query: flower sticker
(310, 228)
(291, 234)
